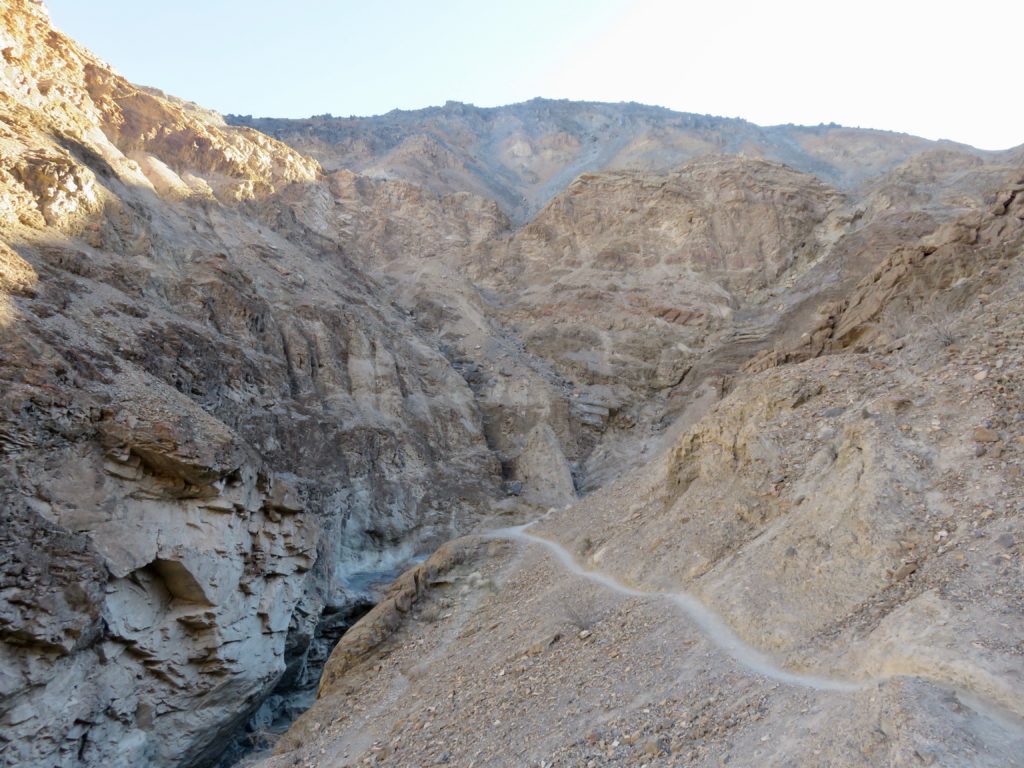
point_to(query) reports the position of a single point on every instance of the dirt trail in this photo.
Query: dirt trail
(1001, 706)
(493, 676)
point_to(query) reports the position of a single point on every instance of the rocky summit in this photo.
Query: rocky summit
(556, 434)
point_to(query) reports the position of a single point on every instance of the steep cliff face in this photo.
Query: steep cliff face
(211, 420)
(625, 278)
(635, 290)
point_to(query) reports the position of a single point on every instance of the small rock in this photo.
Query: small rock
(904, 570)
(985, 435)
(652, 748)
(584, 634)
(981, 375)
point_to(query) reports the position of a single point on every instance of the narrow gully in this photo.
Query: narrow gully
(296, 691)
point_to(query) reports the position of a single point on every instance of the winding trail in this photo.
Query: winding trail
(720, 634)
(1005, 713)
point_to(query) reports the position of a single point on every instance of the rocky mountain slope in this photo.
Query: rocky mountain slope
(824, 569)
(762, 384)
(522, 155)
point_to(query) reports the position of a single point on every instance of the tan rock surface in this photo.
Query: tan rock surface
(210, 418)
(836, 518)
(837, 515)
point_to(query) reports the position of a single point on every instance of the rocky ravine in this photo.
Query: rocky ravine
(238, 388)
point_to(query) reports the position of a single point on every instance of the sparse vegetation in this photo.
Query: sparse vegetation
(430, 613)
(579, 613)
(938, 323)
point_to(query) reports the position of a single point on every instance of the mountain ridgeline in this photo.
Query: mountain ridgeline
(522, 155)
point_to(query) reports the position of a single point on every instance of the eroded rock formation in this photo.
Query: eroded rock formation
(211, 418)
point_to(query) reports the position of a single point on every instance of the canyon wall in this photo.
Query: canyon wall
(211, 418)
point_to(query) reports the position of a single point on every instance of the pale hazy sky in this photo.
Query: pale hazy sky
(936, 69)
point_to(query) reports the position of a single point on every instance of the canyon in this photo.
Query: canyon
(560, 433)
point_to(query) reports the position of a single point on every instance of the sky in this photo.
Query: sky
(941, 69)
